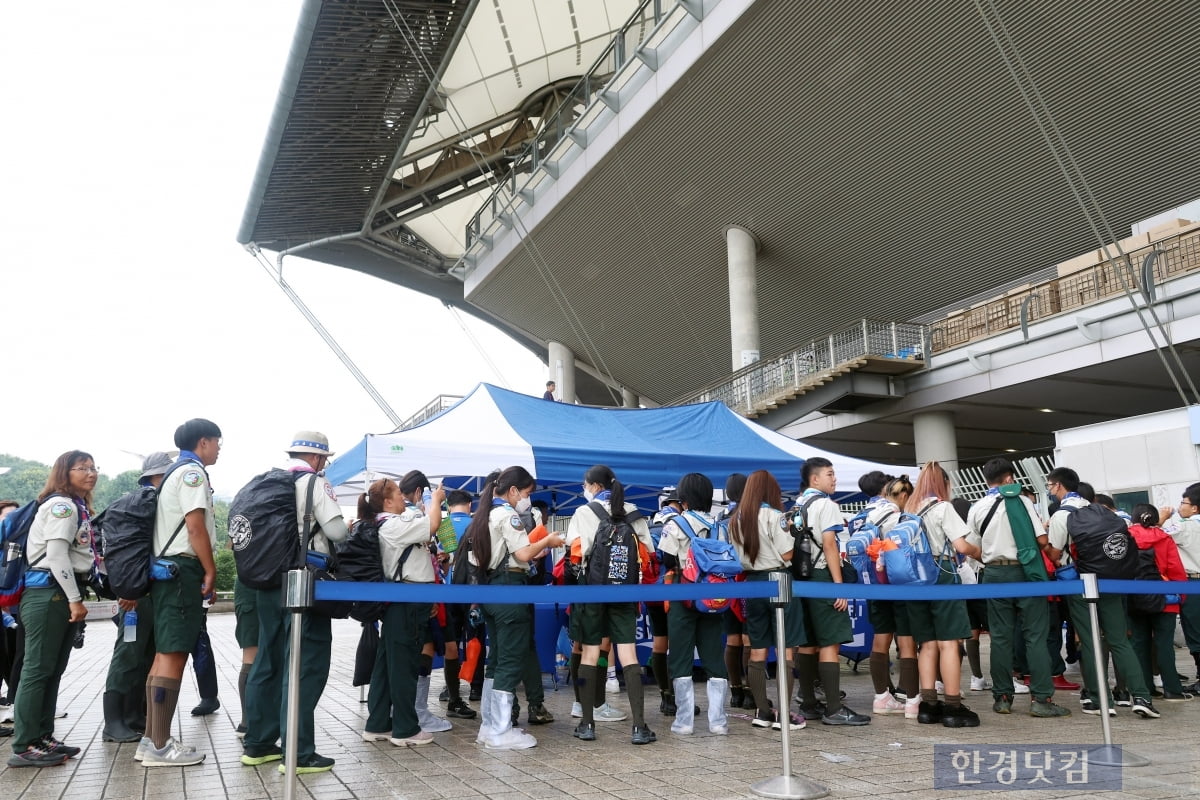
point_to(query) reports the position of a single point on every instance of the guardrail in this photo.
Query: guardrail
(431, 409)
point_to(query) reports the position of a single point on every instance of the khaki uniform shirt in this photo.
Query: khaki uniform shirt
(774, 539)
(397, 532)
(998, 539)
(327, 524)
(59, 518)
(185, 489)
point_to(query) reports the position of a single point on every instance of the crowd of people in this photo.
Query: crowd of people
(426, 535)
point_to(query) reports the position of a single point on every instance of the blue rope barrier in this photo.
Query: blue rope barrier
(443, 593)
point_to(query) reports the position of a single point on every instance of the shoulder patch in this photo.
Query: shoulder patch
(783, 522)
(329, 491)
(193, 478)
(516, 522)
(61, 510)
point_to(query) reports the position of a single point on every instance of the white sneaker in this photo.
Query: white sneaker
(607, 713)
(576, 710)
(887, 704)
(6, 713)
(611, 686)
(1158, 682)
(939, 687)
(1019, 687)
(60, 714)
(371, 736)
(912, 707)
(416, 740)
(981, 684)
(148, 744)
(171, 755)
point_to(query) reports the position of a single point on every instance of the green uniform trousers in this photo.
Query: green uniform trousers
(690, 631)
(1156, 632)
(267, 685)
(1008, 617)
(131, 660)
(1114, 634)
(391, 701)
(48, 638)
(512, 658)
(1189, 615)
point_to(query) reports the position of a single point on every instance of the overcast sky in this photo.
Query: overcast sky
(131, 134)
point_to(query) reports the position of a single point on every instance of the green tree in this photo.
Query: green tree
(23, 482)
(221, 523)
(226, 570)
(109, 489)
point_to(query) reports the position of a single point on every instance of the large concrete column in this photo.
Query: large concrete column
(935, 439)
(561, 362)
(629, 398)
(742, 249)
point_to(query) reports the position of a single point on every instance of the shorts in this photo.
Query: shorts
(245, 611)
(657, 614)
(888, 616)
(760, 619)
(939, 620)
(456, 621)
(617, 621)
(178, 607)
(733, 625)
(823, 624)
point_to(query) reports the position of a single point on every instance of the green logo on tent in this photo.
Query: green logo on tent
(396, 448)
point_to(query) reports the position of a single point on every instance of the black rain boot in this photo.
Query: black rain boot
(135, 711)
(115, 729)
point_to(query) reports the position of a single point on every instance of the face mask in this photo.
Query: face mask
(589, 495)
(523, 505)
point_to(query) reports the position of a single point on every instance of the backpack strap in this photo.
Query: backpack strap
(183, 521)
(306, 535)
(991, 513)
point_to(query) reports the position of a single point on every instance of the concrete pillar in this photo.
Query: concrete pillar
(561, 362)
(742, 249)
(935, 439)
(629, 399)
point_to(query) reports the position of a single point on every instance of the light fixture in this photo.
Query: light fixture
(1011, 450)
(1046, 410)
(893, 444)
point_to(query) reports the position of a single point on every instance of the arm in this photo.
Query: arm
(435, 513)
(58, 561)
(197, 534)
(833, 559)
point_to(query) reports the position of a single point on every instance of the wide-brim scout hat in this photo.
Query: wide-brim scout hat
(158, 463)
(310, 442)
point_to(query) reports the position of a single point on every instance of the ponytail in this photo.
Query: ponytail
(478, 536)
(605, 477)
(370, 502)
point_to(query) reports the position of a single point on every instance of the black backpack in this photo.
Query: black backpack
(613, 560)
(1103, 544)
(127, 531)
(263, 528)
(805, 547)
(360, 559)
(1147, 571)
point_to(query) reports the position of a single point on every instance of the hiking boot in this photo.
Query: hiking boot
(1144, 708)
(1003, 704)
(1122, 697)
(585, 731)
(814, 712)
(930, 713)
(643, 735)
(607, 713)
(981, 684)
(35, 756)
(173, 754)
(310, 764)
(958, 717)
(460, 710)
(52, 745)
(885, 704)
(253, 757)
(538, 714)
(1061, 683)
(208, 705)
(844, 716)
(666, 706)
(1047, 708)
(416, 740)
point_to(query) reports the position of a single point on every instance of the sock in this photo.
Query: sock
(831, 678)
(792, 680)
(637, 695)
(243, 676)
(733, 664)
(973, 658)
(929, 696)
(909, 680)
(658, 665)
(806, 666)
(575, 659)
(164, 697)
(426, 665)
(589, 679)
(756, 677)
(953, 700)
(879, 672)
(452, 679)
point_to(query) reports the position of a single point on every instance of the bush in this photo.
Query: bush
(226, 571)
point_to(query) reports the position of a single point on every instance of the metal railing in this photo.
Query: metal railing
(1153, 264)
(750, 389)
(430, 410)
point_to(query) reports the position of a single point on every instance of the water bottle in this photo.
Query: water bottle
(561, 669)
(427, 499)
(130, 626)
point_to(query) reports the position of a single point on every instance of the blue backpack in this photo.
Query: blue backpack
(707, 561)
(864, 534)
(14, 539)
(913, 560)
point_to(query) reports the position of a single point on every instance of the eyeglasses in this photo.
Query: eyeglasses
(1186, 502)
(89, 470)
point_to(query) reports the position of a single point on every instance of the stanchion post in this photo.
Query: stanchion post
(786, 786)
(298, 598)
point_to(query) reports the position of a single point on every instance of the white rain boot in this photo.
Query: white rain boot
(685, 706)
(505, 736)
(429, 722)
(718, 694)
(487, 722)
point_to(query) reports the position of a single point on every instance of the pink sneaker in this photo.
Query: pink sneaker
(886, 704)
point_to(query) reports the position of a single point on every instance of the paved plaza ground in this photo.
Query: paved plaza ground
(890, 758)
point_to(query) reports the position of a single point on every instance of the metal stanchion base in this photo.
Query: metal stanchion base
(789, 787)
(1115, 756)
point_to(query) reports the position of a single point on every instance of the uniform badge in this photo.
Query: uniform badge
(193, 478)
(61, 510)
(783, 523)
(516, 522)
(329, 491)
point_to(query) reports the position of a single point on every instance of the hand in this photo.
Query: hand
(210, 579)
(127, 605)
(840, 604)
(438, 494)
(554, 540)
(1165, 513)
(78, 612)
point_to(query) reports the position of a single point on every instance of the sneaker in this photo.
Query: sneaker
(1061, 683)
(585, 732)
(34, 756)
(643, 735)
(263, 756)
(763, 718)
(886, 704)
(1020, 687)
(939, 687)
(959, 717)
(736, 695)
(538, 714)
(611, 686)
(930, 713)
(577, 710)
(460, 710)
(476, 694)
(60, 714)
(981, 684)
(5, 730)
(1158, 684)
(314, 763)
(1122, 697)
(666, 705)
(208, 705)
(1177, 697)
(444, 695)
(1144, 708)
(748, 701)
(6, 713)
(813, 713)
(912, 707)
(1089, 706)
(796, 722)
(1047, 708)
(172, 755)
(372, 736)
(240, 731)
(1003, 704)
(147, 744)
(416, 740)
(607, 713)
(52, 745)
(844, 716)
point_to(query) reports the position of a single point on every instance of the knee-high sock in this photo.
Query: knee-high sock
(806, 666)
(831, 682)
(910, 682)
(879, 672)
(589, 682)
(451, 670)
(756, 678)
(574, 668)
(733, 664)
(972, 646)
(637, 695)
(164, 697)
(243, 675)
(658, 665)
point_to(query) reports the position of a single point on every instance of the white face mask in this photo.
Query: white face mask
(589, 495)
(523, 505)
